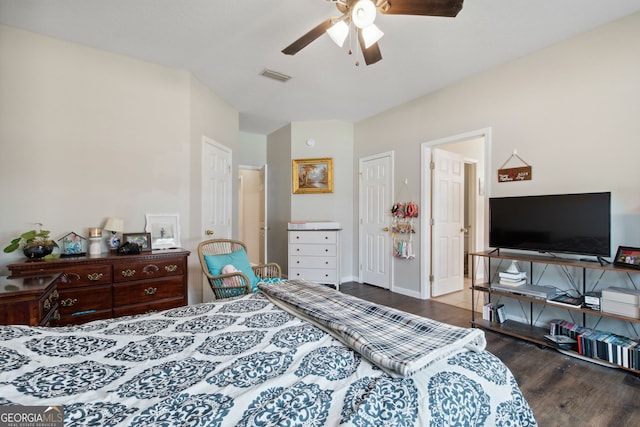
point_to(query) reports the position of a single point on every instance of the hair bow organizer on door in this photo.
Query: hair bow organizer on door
(402, 224)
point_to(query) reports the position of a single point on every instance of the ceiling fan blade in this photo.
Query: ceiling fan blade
(447, 8)
(372, 53)
(310, 36)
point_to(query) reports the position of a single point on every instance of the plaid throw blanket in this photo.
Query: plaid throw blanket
(399, 343)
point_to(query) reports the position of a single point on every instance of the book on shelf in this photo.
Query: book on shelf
(513, 275)
(566, 300)
(501, 313)
(513, 283)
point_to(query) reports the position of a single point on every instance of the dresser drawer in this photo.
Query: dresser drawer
(84, 317)
(312, 250)
(165, 304)
(146, 269)
(312, 262)
(84, 300)
(139, 292)
(314, 274)
(314, 237)
(83, 275)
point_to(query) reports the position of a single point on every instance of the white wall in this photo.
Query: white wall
(570, 110)
(86, 134)
(252, 150)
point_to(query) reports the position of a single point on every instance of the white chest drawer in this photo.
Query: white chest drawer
(314, 275)
(312, 250)
(313, 237)
(312, 262)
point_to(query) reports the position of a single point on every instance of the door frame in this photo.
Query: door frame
(263, 206)
(425, 196)
(361, 254)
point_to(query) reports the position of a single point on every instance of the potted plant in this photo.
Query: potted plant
(35, 243)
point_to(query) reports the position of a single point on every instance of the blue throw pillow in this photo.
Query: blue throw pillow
(239, 259)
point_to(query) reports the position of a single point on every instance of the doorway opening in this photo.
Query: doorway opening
(252, 211)
(474, 148)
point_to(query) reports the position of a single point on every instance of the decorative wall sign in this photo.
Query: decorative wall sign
(514, 174)
(522, 173)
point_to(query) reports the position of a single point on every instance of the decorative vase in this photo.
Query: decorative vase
(38, 251)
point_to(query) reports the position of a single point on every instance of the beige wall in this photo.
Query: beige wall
(86, 134)
(333, 139)
(570, 110)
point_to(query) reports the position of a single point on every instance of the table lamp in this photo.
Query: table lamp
(115, 226)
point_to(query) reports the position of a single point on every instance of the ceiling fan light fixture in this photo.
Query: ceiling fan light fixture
(338, 32)
(363, 13)
(371, 35)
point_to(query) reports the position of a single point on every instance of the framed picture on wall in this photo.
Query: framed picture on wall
(312, 176)
(164, 230)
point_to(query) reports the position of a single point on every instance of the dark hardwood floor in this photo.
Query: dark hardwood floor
(561, 390)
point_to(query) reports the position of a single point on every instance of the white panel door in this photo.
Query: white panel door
(376, 193)
(448, 222)
(216, 190)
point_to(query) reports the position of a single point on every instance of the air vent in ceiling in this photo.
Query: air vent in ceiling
(275, 75)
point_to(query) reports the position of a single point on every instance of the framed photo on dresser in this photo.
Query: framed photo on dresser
(164, 230)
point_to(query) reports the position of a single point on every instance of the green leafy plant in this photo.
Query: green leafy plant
(37, 237)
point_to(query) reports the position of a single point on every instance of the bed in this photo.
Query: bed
(251, 361)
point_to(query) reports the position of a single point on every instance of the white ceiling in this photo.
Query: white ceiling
(228, 43)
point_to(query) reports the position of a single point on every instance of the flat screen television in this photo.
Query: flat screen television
(564, 223)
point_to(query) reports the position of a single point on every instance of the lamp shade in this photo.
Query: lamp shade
(114, 224)
(338, 32)
(371, 35)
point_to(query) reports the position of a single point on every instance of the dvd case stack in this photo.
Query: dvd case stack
(607, 346)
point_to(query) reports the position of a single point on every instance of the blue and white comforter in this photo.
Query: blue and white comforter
(241, 362)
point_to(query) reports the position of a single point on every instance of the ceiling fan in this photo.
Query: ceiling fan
(362, 13)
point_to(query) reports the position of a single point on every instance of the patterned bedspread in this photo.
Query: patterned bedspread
(398, 342)
(241, 362)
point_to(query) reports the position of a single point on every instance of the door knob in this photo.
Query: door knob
(208, 232)
(385, 229)
(464, 230)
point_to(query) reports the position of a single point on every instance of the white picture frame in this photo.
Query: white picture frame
(164, 230)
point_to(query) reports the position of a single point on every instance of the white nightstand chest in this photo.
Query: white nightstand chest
(315, 255)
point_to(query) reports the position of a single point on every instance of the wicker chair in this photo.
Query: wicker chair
(236, 283)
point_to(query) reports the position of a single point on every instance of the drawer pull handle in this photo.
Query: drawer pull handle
(69, 277)
(150, 291)
(128, 273)
(95, 276)
(170, 268)
(69, 302)
(150, 269)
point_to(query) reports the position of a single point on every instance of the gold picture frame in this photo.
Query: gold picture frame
(311, 176)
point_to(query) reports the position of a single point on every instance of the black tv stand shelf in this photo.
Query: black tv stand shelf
(527, 330)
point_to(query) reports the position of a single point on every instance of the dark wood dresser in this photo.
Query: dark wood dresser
(105, 286)
(29, 300)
